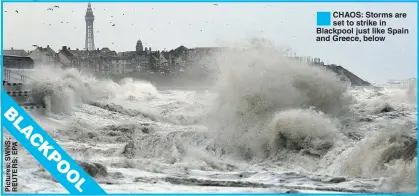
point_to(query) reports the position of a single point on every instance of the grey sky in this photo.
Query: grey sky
(164, 25)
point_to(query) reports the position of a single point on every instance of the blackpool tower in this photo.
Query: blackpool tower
(90, 39)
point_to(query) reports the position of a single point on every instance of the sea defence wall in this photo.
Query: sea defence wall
(349, 76)
(13, 83)
(343, 73)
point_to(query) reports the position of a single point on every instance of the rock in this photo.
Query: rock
(94, 169)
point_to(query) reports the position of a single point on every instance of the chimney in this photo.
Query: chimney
(69, 48)
(47, 46)
(64, 48)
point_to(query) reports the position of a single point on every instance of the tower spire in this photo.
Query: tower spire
(89, 17)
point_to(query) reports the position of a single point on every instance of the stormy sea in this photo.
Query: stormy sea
(268, 124)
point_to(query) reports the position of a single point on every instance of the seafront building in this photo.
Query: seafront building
(105, 61)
